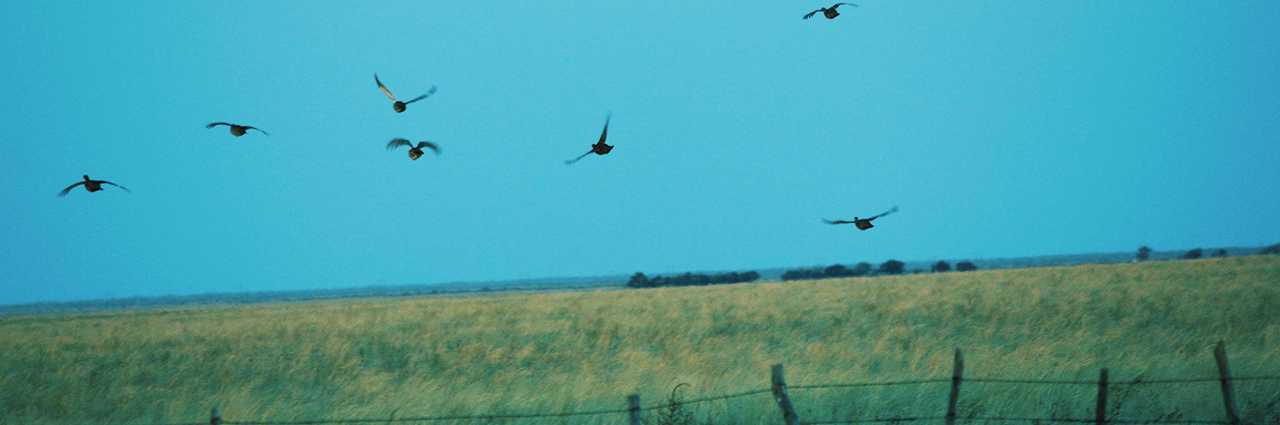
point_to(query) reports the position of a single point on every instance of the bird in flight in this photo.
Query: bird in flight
(863, 223)
(91, 185)
(829, 12)
(600, 148)
(398, 105)
(414, 152)
(236, 130)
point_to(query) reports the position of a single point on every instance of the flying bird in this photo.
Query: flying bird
(91, 185)
(829, 12)
(398, 105)
(600, 148)
(864, 223)
(414, 152)
(236, 130)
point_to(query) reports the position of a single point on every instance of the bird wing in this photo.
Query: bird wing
(212, 125)
(836, 222)
(605, 133)
(395, 143)
(384, 88)
(810, 15)
(116, 185)
(432, 146)
(429, 93)
(68, 189)
(838, 5)
(255, 128)
(894, 210)
(571, 161)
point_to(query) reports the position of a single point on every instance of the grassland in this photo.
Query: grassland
(554, 352)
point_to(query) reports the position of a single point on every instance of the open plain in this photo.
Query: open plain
(587, 350)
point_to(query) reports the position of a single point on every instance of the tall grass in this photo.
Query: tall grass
(558, 352)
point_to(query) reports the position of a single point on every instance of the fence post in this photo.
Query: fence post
(1228, 391)
(215, 416)
(780, 395)
(1101, 417)
(957, 372)
(633, 407)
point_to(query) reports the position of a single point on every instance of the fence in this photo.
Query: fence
(780, 392)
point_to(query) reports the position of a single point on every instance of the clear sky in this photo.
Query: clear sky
(1000, 128)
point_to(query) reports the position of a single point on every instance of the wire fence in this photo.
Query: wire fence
(780, 392)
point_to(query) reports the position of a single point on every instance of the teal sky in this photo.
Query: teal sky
(1000, 129)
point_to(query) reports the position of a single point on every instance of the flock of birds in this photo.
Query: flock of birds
(415, 152)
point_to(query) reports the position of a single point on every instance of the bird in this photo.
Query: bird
(236, 130)
(829, 12)
(398, 105)
(864, 223)
(414, 153)
(91, 185)
(600, 148)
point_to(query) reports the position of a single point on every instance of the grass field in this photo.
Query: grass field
(553, 352)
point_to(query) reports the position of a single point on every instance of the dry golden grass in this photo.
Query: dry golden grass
(558, 352)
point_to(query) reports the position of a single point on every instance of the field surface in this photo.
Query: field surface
(578, 351)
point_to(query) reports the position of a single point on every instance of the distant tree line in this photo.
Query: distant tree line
(639, 280)
(890, 267)
(1144, 253)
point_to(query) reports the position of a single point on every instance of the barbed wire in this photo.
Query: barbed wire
(1010, 419)
(870, 384)
(863, 421)
(1110, 421)
(431, 418)
(706, 399)
(1131, 382)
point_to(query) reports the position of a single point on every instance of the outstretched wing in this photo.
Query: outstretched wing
(605, 133)
(384, 88)
(571, 161)
(395, 143)
(68, 189)
(255, 128)
(212, 125)
(835, 222)
(894, 210)
(810, 15)
(429, 145)
(429, 93)
(838, 5)
(116, 185)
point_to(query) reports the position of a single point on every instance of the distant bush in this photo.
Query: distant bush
(837, 271)
(1193, 254)
(1144, 253)
(940, 267)
(965, 266)
(834, 271)
(1219, 253)
(892, 267)
(639, 280)
(1273, 249)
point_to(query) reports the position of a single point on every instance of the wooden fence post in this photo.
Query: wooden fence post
(633, 407)
(957, 371)
(215, 416)
(780, 395)
(1101, 417)
(1228, 391)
